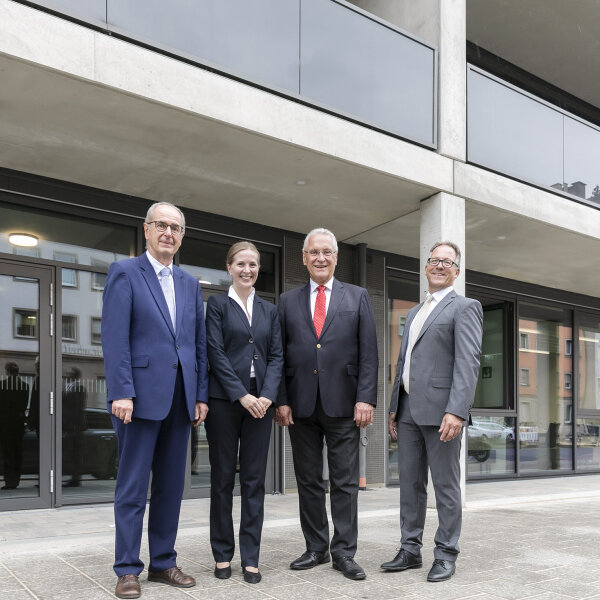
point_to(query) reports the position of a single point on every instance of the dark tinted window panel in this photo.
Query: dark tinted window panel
(89, 10)
(512, 133)
(368, 71)
(255, 39)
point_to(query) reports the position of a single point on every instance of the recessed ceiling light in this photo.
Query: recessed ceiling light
(301, 182)
(22, 239)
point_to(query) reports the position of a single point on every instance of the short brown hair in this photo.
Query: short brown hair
(452, 245)
(238, 247)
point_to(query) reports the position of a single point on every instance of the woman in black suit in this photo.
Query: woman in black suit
(246, 360)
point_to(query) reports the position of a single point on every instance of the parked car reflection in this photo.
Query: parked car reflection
(484, 435)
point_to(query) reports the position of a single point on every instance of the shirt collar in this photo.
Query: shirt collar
(157, 266)
(314, 286)
(440, 294)
(234, 296)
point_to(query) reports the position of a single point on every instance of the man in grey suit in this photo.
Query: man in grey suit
(329, 392)
(432, 395)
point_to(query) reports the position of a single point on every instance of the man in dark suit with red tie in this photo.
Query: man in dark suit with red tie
(328, 392)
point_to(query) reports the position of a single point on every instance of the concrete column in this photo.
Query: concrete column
(443, 218)
(442, 24)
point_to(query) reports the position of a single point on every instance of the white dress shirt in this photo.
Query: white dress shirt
(314, 292)
(437, 298)
(247, 308)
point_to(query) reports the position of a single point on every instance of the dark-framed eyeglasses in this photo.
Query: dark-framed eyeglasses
(445, 262)
(314, 253)
(161, 226)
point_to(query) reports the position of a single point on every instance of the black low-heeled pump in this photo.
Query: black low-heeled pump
(224, 573)
(250, 576)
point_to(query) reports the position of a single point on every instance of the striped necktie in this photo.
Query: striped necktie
(167, 288)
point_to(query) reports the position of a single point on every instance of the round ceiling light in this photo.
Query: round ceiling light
(22, 239)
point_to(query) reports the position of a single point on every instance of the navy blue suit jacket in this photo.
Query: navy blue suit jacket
(141, 350)
(233, 344)
(342, 362)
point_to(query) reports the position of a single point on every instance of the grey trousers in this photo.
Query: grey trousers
(419, 447)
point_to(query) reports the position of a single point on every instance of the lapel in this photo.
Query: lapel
(337, 293)
(179, 297)
(258, 313)
(435, 313)
(152, 280)
(410, 317)
(240, 313)
(304, 302)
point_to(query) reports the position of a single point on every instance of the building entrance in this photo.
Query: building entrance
(26, 397)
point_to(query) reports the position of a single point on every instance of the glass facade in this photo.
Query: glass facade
(513, 132)
(323, 52)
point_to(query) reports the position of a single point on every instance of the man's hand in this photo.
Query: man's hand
(451, 427)
(123, 409)
(253, 405)
(200, 412)
(393, 426)
(283, 416)
(363, 414)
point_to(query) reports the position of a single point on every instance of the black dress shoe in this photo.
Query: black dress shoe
(348, 566)
(251, 576)
(223, 573)
(402, 561)
(441, 570)
(309, 560)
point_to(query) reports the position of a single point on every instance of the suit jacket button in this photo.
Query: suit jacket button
(251, 340)
(174, 366)
(256, 357)
(315, 372)
(177, 346)
(318, 345)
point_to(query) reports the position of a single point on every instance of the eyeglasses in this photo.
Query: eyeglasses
(446, 262)
(314, 253)
(161, 226)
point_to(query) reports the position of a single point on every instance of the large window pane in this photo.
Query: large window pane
(490, 384)
(545, 402)
(89, 444)
(491, 446)
(512, 133)
(403, 294)
(65, 238)
(589, 364)
(588, 444)
(582, 167)
(362, 68)
(19, 387)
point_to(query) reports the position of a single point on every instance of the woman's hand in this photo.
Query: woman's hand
(265, 402)
(253, 405)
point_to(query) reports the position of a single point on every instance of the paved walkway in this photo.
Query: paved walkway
(521, 539)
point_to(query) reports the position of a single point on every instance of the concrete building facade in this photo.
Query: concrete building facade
(395, 124)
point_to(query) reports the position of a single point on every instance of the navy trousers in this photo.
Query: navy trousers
(160, 448)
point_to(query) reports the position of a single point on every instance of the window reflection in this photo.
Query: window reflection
(545, 394)
(491, 446)
(588, 444)
(589, 365)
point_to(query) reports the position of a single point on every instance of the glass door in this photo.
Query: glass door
(26, 401)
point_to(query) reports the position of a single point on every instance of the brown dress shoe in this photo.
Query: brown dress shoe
(128, 586)
(173, 576)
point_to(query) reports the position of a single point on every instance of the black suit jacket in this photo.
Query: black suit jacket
(233, 344)
(342, 362)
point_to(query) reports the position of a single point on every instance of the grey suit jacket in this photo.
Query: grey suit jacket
(444, 363)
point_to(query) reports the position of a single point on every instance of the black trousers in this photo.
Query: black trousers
(342, 437)
(229, 425)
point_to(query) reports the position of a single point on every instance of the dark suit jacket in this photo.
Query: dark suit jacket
(233, 344)
(445, 361)
(141, 350)
(342, 362)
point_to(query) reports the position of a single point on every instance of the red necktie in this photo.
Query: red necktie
(320, 313)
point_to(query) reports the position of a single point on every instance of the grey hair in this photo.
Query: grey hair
(320, 231)
(452, 245)
(156, 205)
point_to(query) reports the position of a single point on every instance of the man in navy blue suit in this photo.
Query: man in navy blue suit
(154, 345)
(329, 392)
